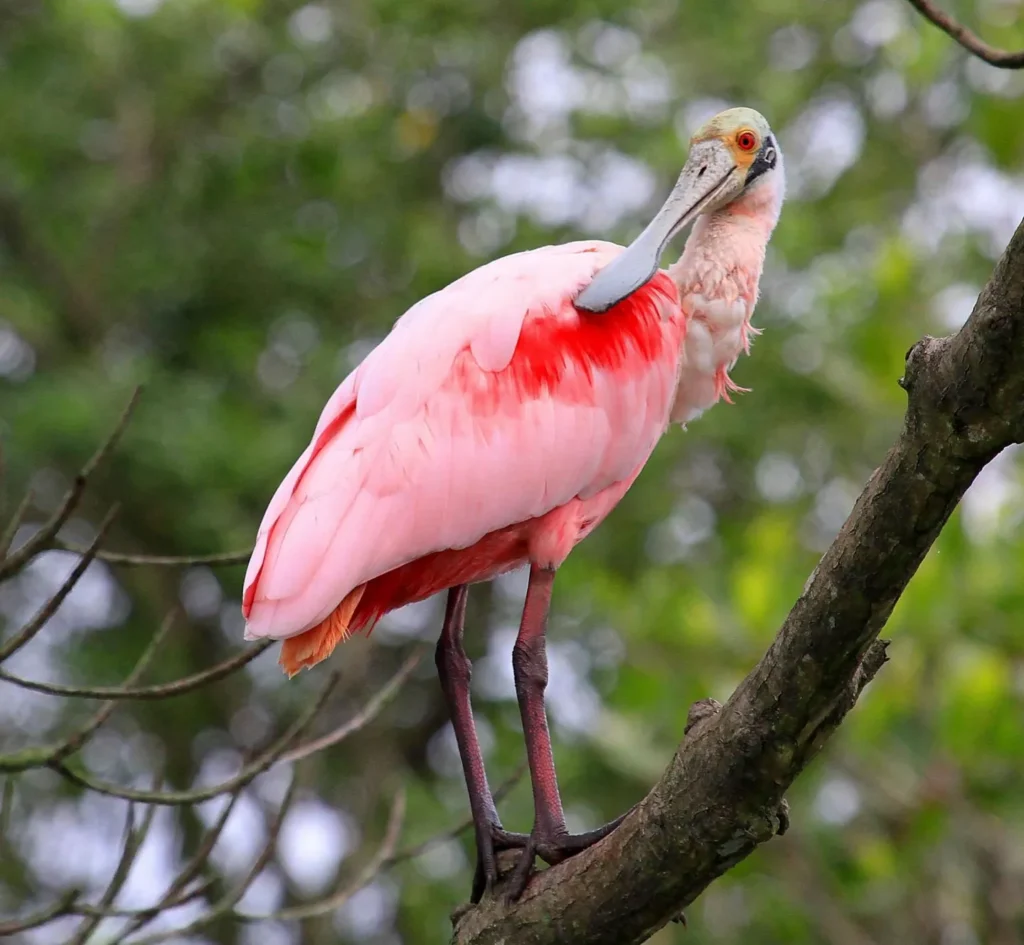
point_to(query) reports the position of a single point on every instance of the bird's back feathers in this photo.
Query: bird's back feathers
(490, 403)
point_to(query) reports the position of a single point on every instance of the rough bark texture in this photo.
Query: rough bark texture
(722, 794)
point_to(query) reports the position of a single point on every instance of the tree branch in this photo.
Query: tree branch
(27, 633)
(43, 539)
(130, 846)
(248, 773)
(721, 795)
(125, 559)
(148, 693)
(1001, 58)
(336, 899)
(60, 757)
(381, 698)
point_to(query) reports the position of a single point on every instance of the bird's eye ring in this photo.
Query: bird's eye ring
(746, 140)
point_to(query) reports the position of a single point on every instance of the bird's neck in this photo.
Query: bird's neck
(727, 244)
(717, 277)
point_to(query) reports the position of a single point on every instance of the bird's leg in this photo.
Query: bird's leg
(549, 838)
(455, 671)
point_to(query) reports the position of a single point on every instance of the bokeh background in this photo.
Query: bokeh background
(230, 201)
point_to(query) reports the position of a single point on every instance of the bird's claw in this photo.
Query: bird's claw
(489, 843)
(553, 848)
(507, 840)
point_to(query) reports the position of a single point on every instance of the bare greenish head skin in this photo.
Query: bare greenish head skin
(731, 121)
(729, 154)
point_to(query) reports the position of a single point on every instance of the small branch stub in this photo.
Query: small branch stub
(701, 711)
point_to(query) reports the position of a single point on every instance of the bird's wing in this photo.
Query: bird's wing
(490, 402)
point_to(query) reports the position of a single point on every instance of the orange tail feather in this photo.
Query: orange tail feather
(315, 644)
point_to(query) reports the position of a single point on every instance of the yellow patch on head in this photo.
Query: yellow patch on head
(741, 130)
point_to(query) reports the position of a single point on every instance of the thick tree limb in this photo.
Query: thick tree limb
(722, 794)
(974, 44)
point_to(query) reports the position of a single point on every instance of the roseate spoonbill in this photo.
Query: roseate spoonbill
(497, 425)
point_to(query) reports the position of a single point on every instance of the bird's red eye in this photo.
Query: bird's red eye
(746, 140)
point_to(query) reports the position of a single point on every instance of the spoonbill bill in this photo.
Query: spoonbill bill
(497, 425)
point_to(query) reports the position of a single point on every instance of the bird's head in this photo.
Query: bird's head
(734, 159)
(732, 155)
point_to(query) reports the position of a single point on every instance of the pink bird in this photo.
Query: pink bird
(497, 425)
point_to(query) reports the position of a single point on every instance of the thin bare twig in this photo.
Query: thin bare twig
(181, 899)
(417, 849)
(164, 561)
(263, 762)
(37, 623)
(234, 896)
(59, 756)
(176, 895)
(7, 536)
(366, 715)
(366, 875)
(44, 755)
(188, 872)
(6, 806)
(131, 844)
(178, 687)
(47, 914)
(1001, 58)
(43, 539)
(74, 742)
(225, 906)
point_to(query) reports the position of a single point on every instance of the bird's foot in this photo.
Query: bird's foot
(491, 841)
(553, 847)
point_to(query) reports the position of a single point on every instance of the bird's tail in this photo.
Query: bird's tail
(315, 644)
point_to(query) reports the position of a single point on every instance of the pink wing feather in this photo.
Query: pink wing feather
(432, 443)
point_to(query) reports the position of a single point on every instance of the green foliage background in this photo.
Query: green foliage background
(230, 200)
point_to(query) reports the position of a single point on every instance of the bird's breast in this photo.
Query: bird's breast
(718, 332)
